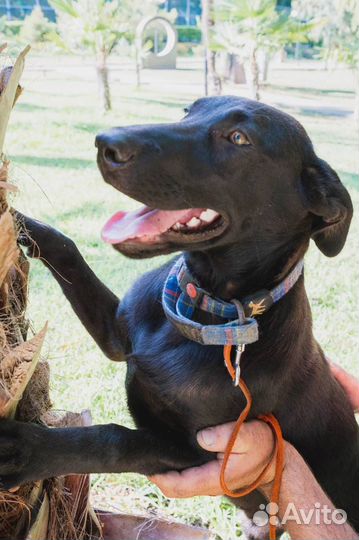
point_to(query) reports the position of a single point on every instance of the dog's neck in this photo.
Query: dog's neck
(238, 270)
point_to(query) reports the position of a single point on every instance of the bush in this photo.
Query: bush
(189, 34)
(36, 27)
(9, 29)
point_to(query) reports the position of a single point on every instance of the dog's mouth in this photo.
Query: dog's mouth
(149, 228)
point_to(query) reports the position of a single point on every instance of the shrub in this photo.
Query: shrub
(189, 34)
(9, 29)
(36, 27)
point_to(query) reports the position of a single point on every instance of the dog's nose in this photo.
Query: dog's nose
(114, 150)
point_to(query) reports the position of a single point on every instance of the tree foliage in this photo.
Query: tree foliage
(90, 26)
(97, 27)
(338, 32)
(246, 27)
(240, 25)
(36, 27)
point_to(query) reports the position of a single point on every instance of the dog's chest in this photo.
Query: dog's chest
(178, 382)
(171, 379)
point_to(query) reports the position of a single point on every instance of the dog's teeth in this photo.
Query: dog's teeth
(194, 222)
(208, 215)
(176, 226)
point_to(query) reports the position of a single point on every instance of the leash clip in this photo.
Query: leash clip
(239, 351)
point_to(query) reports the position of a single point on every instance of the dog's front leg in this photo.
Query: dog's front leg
(31, 452)
(95, 305)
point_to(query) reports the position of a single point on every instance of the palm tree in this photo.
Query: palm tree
(243, 28)
(344, 42)
(213, 84)
(57, 507)
(98, 26)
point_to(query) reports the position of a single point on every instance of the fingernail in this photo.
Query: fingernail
(206, 437)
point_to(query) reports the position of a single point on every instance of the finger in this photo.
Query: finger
(244, 469)
(252, 434)
(349, 383)
(343, 377)
(215, 438)
(335, 368)
(192, 482)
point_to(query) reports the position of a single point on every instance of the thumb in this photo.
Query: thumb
(215, 438)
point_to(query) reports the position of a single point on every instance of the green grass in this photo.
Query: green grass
(51, 144)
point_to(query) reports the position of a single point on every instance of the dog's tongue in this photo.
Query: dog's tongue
(145, 225)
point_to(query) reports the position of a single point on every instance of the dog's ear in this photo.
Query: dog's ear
(330, 203)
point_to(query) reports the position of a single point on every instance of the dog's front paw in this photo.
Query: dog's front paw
(42, 240)
(20, 453)
(33, 235)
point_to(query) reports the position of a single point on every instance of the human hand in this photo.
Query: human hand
(252, 451)
(349, 383)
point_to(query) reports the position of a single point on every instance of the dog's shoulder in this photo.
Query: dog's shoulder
(142, 303)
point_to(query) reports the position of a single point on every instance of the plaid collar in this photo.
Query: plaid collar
(182, 295)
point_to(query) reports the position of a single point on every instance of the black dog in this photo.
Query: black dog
(255, 170)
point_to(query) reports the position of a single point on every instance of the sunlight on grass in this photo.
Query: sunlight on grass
(51, 143)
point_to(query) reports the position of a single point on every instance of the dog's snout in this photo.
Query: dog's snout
(117, 156)
(114, 150)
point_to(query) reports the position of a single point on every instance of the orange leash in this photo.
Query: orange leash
(278, 451)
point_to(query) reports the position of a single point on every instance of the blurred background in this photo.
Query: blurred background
(96, 64)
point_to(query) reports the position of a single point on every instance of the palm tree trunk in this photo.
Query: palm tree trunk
(53, 508)
(265, 66)
(103, 80)
(254, 74)
(213, 84)
(356, 106)
(235, 69)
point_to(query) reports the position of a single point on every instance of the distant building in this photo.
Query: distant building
(189, 11)
(19, 9)
(284, 6)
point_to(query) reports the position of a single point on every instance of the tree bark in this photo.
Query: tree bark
(138, 67)
(235, 69)
(356, 106)
(265, 66)
(213, 83)
(103, 81)
(254, 74)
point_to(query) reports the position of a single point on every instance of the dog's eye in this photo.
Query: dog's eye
(237, 137)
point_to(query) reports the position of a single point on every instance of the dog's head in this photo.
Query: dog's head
(232, 171)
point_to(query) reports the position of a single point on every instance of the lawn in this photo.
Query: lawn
(51, 144)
